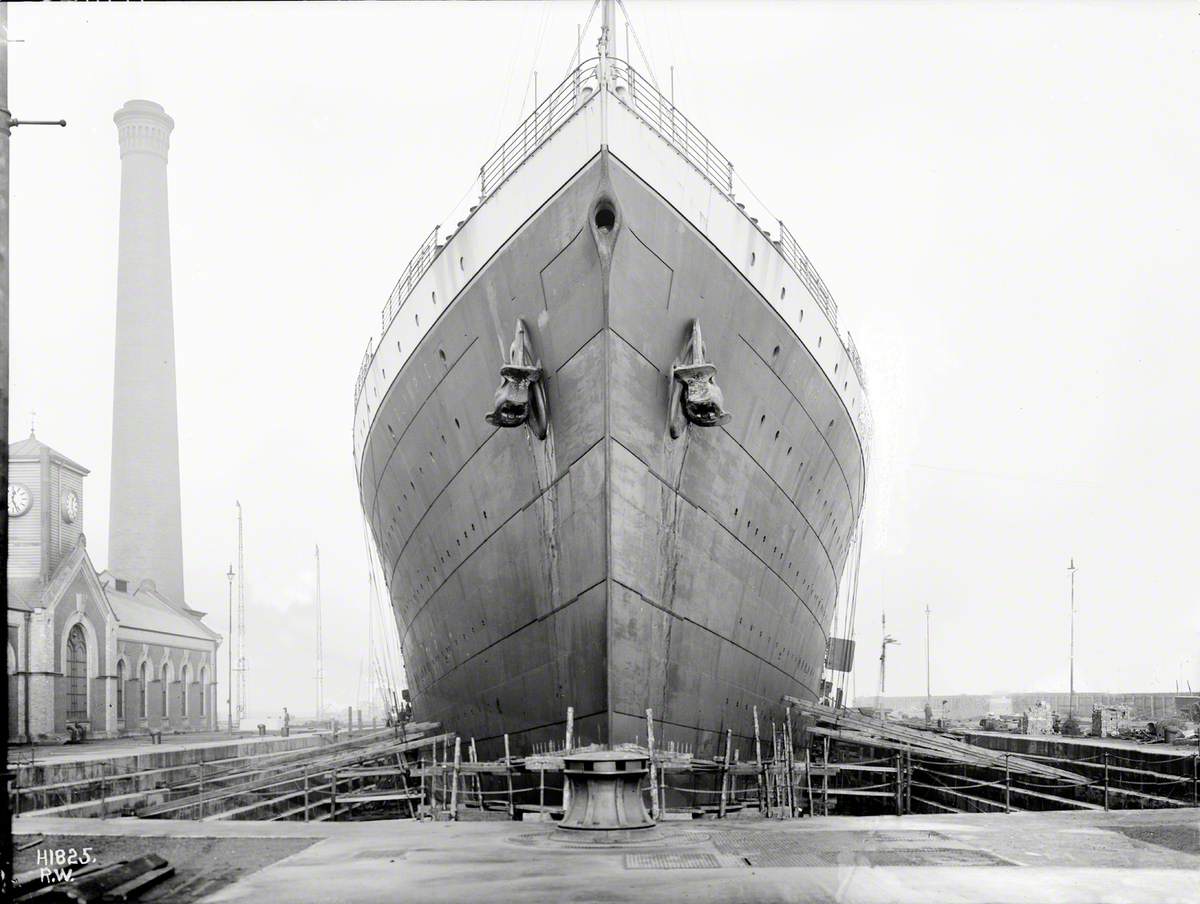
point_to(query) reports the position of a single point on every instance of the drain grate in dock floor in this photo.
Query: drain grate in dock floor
(672, 861)
(935, 857)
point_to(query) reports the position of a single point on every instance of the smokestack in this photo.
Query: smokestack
(145, 532)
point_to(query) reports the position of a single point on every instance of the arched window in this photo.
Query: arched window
(184, 676)
(166, 680)
(76, 675)
(204, 690)
(144, 696)
(121, 689)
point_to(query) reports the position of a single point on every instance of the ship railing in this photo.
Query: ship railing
(799, 262)
(656, 111)
(409, 278)
(646, 102)
(560, 105)
(855, 360)
(362, 371)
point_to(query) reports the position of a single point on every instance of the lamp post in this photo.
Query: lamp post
(229, 651)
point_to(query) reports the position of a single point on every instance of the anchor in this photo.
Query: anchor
(520, 398)
(695, 396)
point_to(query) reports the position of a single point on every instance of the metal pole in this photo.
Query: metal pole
(899, 776)
(825, 784)
(1106, 781)
(928, 692)
(229, 650)
(1071, 569)
(1007, 805)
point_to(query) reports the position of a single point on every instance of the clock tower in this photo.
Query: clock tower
(45, 508)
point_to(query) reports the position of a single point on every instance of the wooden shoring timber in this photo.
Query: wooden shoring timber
(257, 764)
(875, 732)
(457, 772)
(654, 807)
(293, 773)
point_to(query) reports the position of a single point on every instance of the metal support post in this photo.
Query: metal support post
(899, 778)
(1106, 781)
(1007, 804)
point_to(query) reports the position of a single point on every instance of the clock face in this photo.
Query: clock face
(19, 500)
(70, 506)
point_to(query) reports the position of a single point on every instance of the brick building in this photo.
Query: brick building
(91, 652)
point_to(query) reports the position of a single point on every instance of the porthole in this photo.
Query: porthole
(461, 265)
(820, 339)
(753, 258)
(775, 353)
(442, 355)
(457, 424)
(399, 350)
(835, 366)
(433, 295)
(762, 420)
(417, 319)
(782, 293)
(800, 319)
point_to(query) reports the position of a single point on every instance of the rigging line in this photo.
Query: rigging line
(638, 41)
(579, 44)
(537, 52)
(853, 607)
(375, 597)
(512, 69)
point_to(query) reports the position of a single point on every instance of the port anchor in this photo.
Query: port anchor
(606, 791)
(521, 397)
(695, 396)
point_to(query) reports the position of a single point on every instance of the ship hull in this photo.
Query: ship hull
(610, 568)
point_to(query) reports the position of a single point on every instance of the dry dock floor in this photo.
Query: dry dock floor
(1129, 856)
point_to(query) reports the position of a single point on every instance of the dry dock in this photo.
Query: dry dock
(1133, 856)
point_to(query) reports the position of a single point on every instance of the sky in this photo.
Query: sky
(1003, 198)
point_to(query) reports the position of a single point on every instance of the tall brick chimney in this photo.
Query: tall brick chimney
(145, 533)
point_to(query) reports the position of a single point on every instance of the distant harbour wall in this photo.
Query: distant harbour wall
(1148, 706)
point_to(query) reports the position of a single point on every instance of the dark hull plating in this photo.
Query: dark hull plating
(610, 567)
